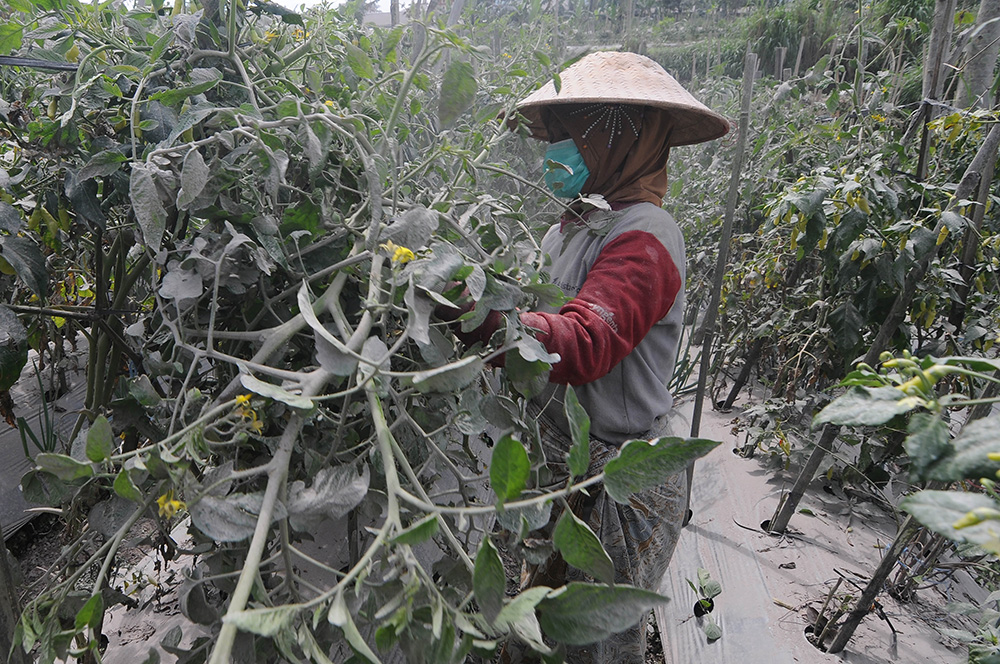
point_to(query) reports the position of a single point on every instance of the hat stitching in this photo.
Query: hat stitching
(611, 115)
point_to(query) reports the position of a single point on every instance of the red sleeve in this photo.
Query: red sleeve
(631, 286)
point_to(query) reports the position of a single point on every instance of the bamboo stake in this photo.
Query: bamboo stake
(749, 67)
(826, 603)
(970, 246)
(874, 587)
(749, 70)
(933, 81)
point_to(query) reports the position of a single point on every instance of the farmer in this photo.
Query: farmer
(610, 128)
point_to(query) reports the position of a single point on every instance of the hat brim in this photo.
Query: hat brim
(624, 78)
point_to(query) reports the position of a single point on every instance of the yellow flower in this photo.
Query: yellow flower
(400, 254)
(270, 35)
(243, 398)
(169, 506)
(250, 414)
(329, 103)
(878, 117)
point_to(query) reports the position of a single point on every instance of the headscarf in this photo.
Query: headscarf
(625, 148)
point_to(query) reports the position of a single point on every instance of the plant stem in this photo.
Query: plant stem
(221, 653)
(490, 509)
(384, 438)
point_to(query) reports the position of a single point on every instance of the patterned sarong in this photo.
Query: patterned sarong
(640, 538)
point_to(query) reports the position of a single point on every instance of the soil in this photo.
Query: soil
(654, 646)
(35, 546)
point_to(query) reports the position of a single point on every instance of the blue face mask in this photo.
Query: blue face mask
(565, 183)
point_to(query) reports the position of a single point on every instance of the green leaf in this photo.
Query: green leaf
(543, 58)
(194, 177)
(941, 510)
(335, 491)
(971, 446)
(548, 295)
(866, 406)
(927, 441)
(27, 261)
(953, 221)
(808, 203)
(359, 62)
(413, 229)
(418, 532)
(204, 79)
(10, 37)
(847, 323)
(102, 164)
(530, 517)
(643, 464)
(142, 391)
(265, 621)
(149, 211)
(450, 377)
(125, 487)
(528, 378)
(10, 219)
(64, 467)
(509, 469)
(340, 616)
(274, 392)
(580, 548)
(82, 195)
(91, 613)
(707, 586)
(519, 616)
(983, 364)
(523, 605)
(582, 613)
(489, 581)
(712, 630)
(13, 348)
(232, 518)
(159, 46)
(193, 600)
(100, 440)
(578, 457)
(458, 90)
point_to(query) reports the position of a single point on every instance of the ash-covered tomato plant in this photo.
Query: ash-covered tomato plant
(253, 220)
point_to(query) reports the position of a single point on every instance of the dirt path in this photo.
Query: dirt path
(731, 497)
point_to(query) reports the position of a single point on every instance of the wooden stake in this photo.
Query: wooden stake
(798, 58)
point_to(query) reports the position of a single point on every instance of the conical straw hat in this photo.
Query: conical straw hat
(624, 78)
